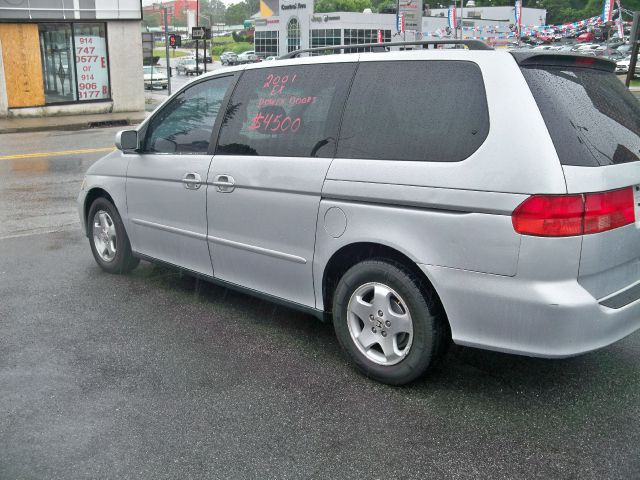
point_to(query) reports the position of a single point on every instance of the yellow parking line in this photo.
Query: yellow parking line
(55, 154)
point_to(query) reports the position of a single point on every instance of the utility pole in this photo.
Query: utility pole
(634, 40)
(166, 45)
(204, 54)
(197, 25)
(461, 17)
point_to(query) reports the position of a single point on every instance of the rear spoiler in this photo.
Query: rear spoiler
(535, 59)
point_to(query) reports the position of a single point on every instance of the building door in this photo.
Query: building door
(58, 66)
(293, 35)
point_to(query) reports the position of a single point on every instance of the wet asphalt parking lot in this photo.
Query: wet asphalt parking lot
(159, 375)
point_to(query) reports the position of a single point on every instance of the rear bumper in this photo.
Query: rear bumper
(156, 83)
(528, 317)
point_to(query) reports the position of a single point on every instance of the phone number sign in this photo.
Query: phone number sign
(92, 67)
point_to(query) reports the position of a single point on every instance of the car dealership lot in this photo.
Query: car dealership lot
(159, 375)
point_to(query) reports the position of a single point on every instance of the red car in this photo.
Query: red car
(586, 37)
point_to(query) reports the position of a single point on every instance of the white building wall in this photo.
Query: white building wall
(125, 65)
(500, 17)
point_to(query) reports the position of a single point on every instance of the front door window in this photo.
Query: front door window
(186, 123)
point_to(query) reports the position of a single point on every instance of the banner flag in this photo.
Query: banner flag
(452, 17)
(607, 10)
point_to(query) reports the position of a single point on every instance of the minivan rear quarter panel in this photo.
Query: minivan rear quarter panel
(451, 214)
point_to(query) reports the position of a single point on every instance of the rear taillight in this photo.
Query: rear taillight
(585, 61)
(569, 215)
(549, 215)
(608, 210)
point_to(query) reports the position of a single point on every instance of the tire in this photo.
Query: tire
(108, 238)
(411, 326)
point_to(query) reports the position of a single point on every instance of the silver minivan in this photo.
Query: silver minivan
(415, 197)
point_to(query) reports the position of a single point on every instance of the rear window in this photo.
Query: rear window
(592, 118)
(432, 111)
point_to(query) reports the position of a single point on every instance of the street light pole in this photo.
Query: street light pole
(166, 47)
(204, 54)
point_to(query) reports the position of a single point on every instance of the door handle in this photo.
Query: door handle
(192, 181)
(224, 183)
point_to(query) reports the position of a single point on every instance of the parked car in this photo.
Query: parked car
(586, 37)
(615, 43)
(269, 58)
(588, 46)
(625, 49)
(288, 182)
(544, 38)
(154, 78)
(543, 47)
(248, 57)
(229, 58)
(189, 67)
(622, 66)
(615, 56)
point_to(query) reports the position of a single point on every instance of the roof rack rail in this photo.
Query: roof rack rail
(382, 47)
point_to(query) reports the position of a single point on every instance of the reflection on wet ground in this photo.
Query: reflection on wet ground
(39, 194)
(44, 165)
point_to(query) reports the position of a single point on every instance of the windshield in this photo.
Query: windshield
(591, 116)
(150, 71)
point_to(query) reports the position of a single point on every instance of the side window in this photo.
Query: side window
(286, 111)
(432, 111)
(185, 124)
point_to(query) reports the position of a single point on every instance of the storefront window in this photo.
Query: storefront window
(267, 43)
(91, 61)
(325, 37)
(58, 69)
(356, 36)
(74, 62)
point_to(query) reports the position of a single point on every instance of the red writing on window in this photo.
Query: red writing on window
(91, 67)
(277, 83)
(292, 100)
(275, 123)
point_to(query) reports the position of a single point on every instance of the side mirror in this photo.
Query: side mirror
(127, 140)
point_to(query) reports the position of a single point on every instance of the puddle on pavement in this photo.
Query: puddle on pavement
(45, 165)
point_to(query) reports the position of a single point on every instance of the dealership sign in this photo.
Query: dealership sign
(293, 6)
(411, 10)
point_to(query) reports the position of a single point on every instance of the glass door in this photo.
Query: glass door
(56, 46)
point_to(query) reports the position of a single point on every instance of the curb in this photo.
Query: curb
(73, 124)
